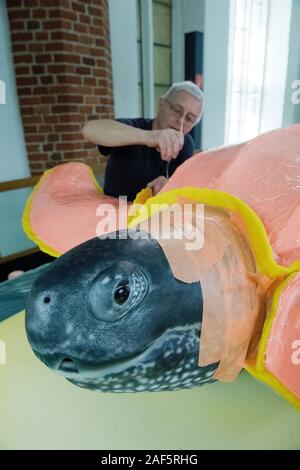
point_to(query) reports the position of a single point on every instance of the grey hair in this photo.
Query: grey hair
(190, 88)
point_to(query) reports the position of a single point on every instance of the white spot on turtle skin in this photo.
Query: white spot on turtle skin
(91, 336)
(209, 373)
(78, 338)
(105, 280)
(117, 276)
(69, 328)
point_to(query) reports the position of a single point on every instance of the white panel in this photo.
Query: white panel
(215, 72)
(147, 57)
(123, 33)
(291, 111)
(276, 64)
(13, 157)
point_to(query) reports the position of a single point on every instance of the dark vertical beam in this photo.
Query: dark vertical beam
(194, 71)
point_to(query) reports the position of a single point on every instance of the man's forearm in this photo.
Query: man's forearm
(111, 133)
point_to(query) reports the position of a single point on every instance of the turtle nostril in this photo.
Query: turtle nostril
(47, 299)
(68, 365)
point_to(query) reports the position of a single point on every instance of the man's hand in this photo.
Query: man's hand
(157, 184)
(168, 142)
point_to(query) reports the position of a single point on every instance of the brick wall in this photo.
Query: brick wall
(61, 51)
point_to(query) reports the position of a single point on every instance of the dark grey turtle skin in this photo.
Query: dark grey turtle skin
(109, 315)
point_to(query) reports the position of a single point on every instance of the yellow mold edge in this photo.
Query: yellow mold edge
(261, 248)
(258, 370)
(255, 229)
(26, 215)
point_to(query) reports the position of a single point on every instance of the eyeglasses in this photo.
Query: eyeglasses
(179, 112)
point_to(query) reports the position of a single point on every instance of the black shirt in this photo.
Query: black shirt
(131, 168)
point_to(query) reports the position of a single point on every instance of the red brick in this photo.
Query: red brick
(46, 80)
(85, 19)
(67, 128)
(89, 41)
(52, 24)
(68, 15)
(22, 70)
(46, 129)
(34, 148)
(30, 129)
(76, 6)
(31, 3)
(38, 69)
(30, 119)
(26, 81)
(18, 13)
(16, 25)
(43, 58)
(86, 109)
(56, 156)
(69, 146)
(80, 28)
(35, 138)
(64, 109)
(36, 47)
(21, 37)
(83, 70)
(67, 58)
(88, 61)
(75, 155)
(72, 79)
(29, 100)
(48, 99)
(47, 147)
(70, 99)
(82, 50)
(38, 157)
(71, 118)
(50, 119)
(77, 137)
(33, 25)
(42, 36)
(18, 47)
(39, 13)
(95, 11)
(40, 90)
(96, 32)
(89, 81)
(64, 36)
(24, 91)
(89, 100)
(59, 46)
(53, 137)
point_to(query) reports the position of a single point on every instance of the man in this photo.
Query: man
(147, 151)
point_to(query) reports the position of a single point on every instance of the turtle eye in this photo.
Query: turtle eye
(122, 293)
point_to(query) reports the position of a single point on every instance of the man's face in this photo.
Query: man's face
(179, 111)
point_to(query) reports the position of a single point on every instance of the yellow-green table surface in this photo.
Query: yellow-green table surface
(41, 410)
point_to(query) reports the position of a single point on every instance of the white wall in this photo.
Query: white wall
(13, 157)
(277, 51)
(123, 32)
(291, 113)
(215, 72)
